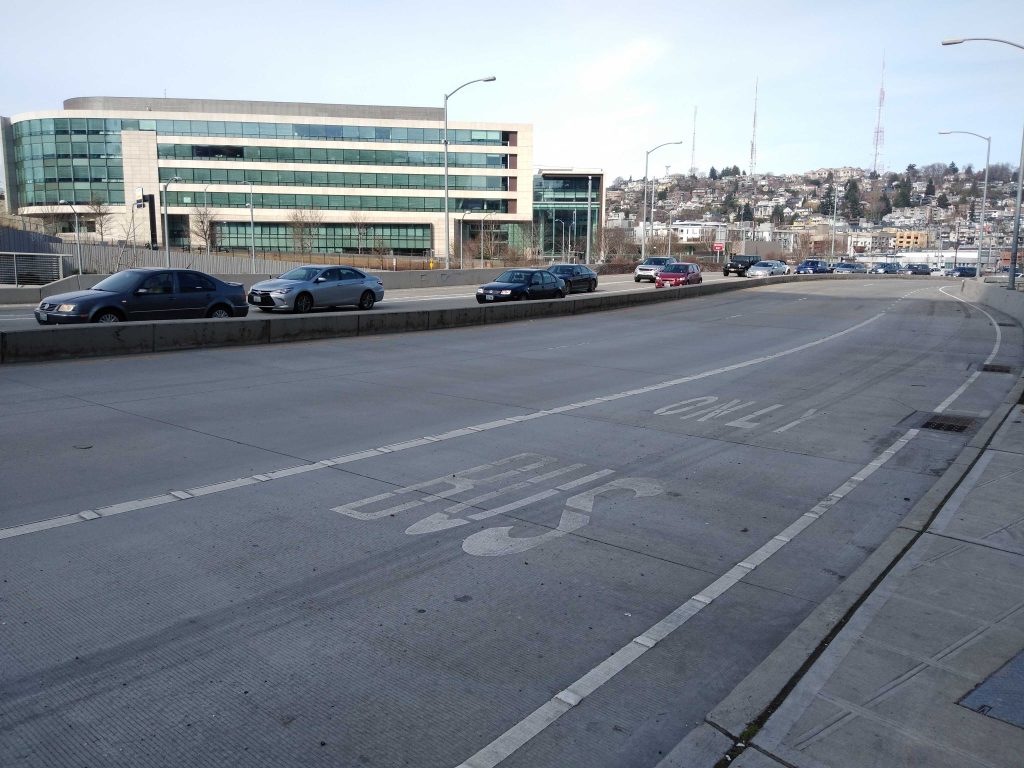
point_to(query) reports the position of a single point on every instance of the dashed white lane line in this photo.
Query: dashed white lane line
(542, 717)
(172, 496)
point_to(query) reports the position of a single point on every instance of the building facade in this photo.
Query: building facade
(327, 178)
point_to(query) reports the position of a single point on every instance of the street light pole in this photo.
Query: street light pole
(447, 246)
(167, 240)
(984, 191)
(252, 230)
(835, 205)
(590, 180)
(78, 241)
(643, 234)
(1011, 283)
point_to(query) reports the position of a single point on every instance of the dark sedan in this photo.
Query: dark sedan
(146, 294)
(576, 277)
(850, 268)
(521, 283)
(916, 269)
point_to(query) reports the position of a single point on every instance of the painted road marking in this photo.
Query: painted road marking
(34, 527)
(535, 723)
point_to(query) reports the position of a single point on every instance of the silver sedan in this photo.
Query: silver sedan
(305, 288)
(768, 268)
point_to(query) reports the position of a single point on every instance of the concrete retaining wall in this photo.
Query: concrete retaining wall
(996, 296)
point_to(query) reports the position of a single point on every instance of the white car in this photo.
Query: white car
(649, 268)
(768, 268)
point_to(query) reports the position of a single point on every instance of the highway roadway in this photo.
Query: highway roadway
(555, 543)
(20, 317)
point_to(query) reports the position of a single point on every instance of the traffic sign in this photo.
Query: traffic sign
(718, 247)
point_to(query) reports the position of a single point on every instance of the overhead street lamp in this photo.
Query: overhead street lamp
(1011, 283)
(643, 234)
(489, 79)
(167, 240)
(78, 242)
(984, 190)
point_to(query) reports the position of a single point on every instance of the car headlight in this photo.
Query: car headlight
(506, 292)
(479, 290)
(66, 308)
(281, 291)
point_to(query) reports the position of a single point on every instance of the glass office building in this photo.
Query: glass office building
(362, 178)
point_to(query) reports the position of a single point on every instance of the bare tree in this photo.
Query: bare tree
(362, 225)
(304, 223)
(54, 217)
(203, 227)
(100, 213)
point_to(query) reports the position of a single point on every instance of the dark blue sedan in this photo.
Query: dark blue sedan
(522, 283)
(146, 294)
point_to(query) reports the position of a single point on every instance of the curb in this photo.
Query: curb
(751, 702)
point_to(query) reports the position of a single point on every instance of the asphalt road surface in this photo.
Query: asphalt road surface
(550, 543)
(20, 317)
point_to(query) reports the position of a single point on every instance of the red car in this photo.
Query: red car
(680, 273)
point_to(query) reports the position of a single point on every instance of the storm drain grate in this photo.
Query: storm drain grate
(944, 423)
(1007, 325)
(991, 368)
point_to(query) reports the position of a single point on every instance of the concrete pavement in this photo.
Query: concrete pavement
(927, 667)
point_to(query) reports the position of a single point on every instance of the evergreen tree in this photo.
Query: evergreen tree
(952, 170)
(883, 207)
(902, 197)
(930, 189)
(851, 200)
(826, 200)
(942, 201)
(713, 174)
(748, 213)
(778, 214)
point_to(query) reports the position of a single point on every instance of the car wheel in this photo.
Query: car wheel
(636, 279)
(367, 300)
(303, 303)
(523, 295)
(592, 287)
(559, 293)
(479, 300)
(219, 312)
(107, 316)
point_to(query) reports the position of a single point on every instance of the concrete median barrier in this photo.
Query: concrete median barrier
(189, 334)
(62, 342)
(134, 338)
(308, 327)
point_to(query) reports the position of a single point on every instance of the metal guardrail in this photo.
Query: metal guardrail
(30, 268)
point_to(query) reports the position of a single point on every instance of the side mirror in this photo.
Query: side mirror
(320, 279)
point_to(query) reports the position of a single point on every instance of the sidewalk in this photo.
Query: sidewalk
(929, 669)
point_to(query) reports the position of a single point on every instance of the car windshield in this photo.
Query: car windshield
(301, 273)
(655, 262)
(513, 276)
(675, 268)
(764, 264)
(121, 281)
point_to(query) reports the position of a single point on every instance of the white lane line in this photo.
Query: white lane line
(995, 349)
(535, 723)
(417, 442)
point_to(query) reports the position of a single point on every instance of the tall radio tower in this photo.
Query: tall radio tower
(753, 136)
(879, 130)
(693, 146)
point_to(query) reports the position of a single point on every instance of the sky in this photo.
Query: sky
(601, 82)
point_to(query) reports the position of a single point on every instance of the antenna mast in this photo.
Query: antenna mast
(693, 146)
(753, 136)
(879, 130)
